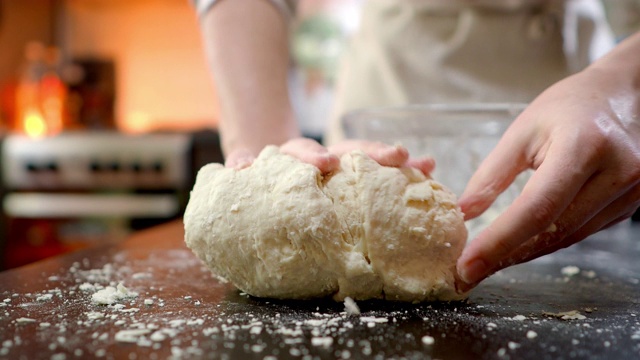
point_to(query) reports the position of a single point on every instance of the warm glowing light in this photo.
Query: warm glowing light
(138, 122)
(34, 124)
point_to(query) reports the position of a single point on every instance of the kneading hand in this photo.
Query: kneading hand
(582, 137)
(328, 159)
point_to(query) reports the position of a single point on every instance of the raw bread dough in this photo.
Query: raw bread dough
(279, 229)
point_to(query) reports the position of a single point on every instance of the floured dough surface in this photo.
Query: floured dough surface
(279, 229)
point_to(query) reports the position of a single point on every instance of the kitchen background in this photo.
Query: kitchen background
(149, 49)
(107, 111)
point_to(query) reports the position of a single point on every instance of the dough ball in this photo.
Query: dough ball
(279, 229)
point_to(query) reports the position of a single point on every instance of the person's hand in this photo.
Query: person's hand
(328, 159)
(582, 137)
(385, 155)
(307, 150)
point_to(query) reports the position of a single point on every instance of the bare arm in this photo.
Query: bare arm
(246, 42)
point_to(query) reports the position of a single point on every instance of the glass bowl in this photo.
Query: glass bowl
(457, 136)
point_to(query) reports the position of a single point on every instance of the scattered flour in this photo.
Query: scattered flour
(373, 319)
(324, 341)
(351, 307)
(87, 287)
(131, 336)
(111, 295)
(428, 340)
(513, 345)
(44, 297)
(23, 320)
(567, 315)
(570, 270)
(94, 315)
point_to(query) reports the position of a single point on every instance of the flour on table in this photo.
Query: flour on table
(351, 307)
(111, 295)
(428, 340)
(570, 270)
(566, 315)
(279, 229)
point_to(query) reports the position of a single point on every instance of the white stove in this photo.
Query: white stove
(77, 161)
(82, 189)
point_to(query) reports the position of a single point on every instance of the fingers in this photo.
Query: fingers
(552, 241)
(494, 175)
(619, 219)
(543, 200)
(327, 160)
(591, 211)
(307, 150)
(239, 159)
(596, 206)
(425, 165)
(620, 209)
(385, 155)
(313, 153)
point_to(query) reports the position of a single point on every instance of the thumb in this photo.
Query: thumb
(496, 172)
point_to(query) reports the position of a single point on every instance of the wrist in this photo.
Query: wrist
(255, 135)
(621, 66)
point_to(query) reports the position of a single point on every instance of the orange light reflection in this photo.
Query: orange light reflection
(34, 124)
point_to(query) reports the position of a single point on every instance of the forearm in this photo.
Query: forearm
(246, 42)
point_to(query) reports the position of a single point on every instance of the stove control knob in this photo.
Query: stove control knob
(157, 167)
(136, 167)
(31, 167)
(51, 166)
(114, 166)
(94, 166)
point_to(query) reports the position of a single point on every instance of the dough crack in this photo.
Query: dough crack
(343, 222)
(364, 246)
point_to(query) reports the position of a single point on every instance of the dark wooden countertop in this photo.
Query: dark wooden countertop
(182, 311)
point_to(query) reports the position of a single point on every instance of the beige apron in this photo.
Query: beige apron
(460, 51)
